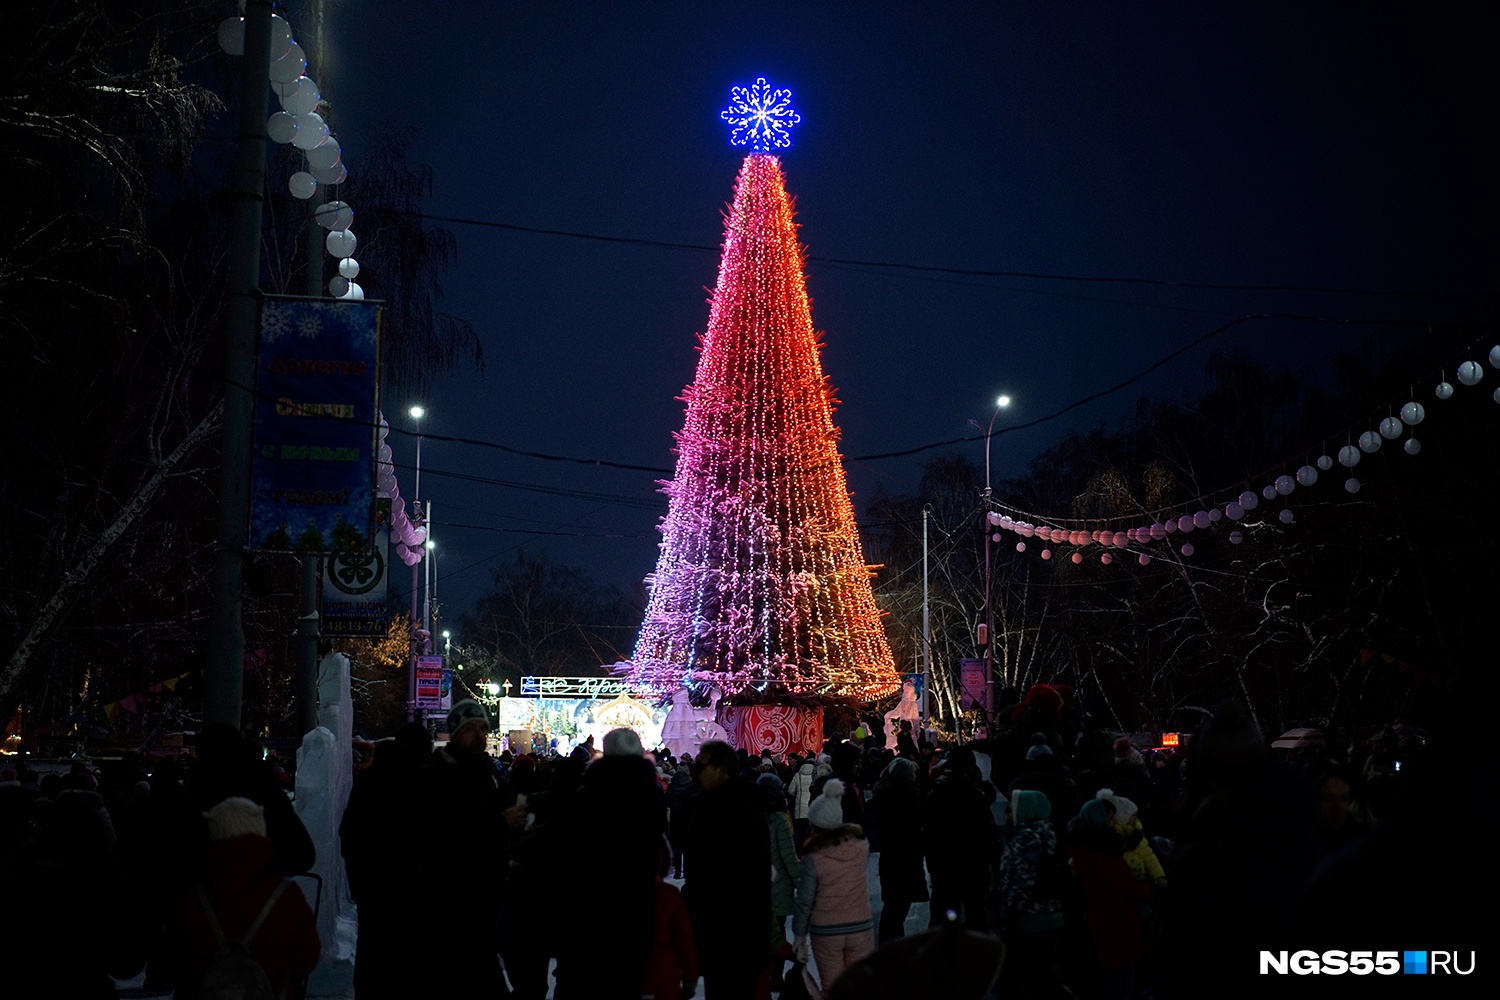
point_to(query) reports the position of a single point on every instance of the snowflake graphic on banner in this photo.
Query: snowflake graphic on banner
(275, 321)
(760, 117)
(310, 325)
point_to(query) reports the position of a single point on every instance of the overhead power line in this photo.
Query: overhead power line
(969, 272)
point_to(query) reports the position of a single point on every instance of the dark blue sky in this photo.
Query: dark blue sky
(1263, 145)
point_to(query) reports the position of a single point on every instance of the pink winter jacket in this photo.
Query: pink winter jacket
(833, 892)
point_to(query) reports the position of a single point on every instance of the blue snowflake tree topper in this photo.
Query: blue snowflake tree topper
(760, 117)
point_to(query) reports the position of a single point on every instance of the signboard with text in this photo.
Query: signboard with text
(430, 683)
(354, 591)
(315, 423)
(971, 684)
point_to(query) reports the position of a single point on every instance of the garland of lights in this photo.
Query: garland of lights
(761, 584)
(1117, 535)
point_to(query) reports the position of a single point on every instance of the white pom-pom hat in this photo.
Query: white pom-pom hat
(827, 810)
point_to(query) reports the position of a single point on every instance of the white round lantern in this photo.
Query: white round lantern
(1495, 356)
(1325, 462)
(1469, 373)
(354, 292)
(1285, 515)
(1185, 523)
(340, 243)
(1187, 548)
(1106, 558)
(301, 97)
(1020, 546)
(1201, 519)
(1351, 484)
(338, 285)
(232, 35)
(335, 174)
(1158, 531)
(1412, 446)
(1235, 537)
(325, 155)
(1390, 428)
(1143, 559)
(1249, 500)
(1349, 456)
(1307, 475)
(290, 66)
(311, 130)
(281, 36)
(348, 267)
(302, 185)
(1285, 484)
(1413, 413)
(1369, 442)
(1268, 491)
(1444, 390)
(1046, 553)
(1233, 510)
(1215, 515)
(281, 127)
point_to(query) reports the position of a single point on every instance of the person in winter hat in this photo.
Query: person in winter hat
(897, 808)
(1112, 896)
(784, 870)
(623, 743)
(240, 901)
(1039, 747)
(1144, 864)
(1029, 899)
(833, 897)
(799, 797)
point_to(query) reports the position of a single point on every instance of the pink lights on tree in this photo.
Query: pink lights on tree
(761, 583)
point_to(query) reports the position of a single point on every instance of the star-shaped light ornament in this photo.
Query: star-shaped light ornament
(760, 117)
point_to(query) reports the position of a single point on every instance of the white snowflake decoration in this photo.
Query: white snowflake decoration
(760, 117)
(275, 322)
(310, 326)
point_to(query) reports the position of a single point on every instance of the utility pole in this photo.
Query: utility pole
(926, 628)
(224, 669)
(309, 623)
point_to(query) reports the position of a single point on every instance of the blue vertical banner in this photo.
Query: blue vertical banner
(313, 478)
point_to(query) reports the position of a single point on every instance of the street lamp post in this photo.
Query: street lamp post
(429, 579)
(416, 413)
(988, 640)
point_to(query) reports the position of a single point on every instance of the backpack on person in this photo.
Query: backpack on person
(231, 972)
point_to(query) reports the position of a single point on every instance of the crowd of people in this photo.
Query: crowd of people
(1057, 860)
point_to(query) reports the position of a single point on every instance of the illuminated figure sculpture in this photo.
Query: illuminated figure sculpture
(687, 728)
(761, 584)
(906, 710)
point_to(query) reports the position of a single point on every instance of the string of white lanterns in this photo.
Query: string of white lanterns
(1118, 535)
(299, 125)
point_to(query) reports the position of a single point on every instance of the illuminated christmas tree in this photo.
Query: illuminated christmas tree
(761, 583)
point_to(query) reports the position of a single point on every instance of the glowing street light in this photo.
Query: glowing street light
(987, 640)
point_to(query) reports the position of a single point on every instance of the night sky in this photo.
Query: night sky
(1261, 146)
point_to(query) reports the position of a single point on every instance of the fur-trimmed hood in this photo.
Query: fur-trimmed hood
(824, 839)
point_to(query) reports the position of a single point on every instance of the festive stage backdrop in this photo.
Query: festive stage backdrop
(761, 583)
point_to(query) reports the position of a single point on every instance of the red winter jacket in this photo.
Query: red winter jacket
(286, 946)
(1113, 897)
(674, 957)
